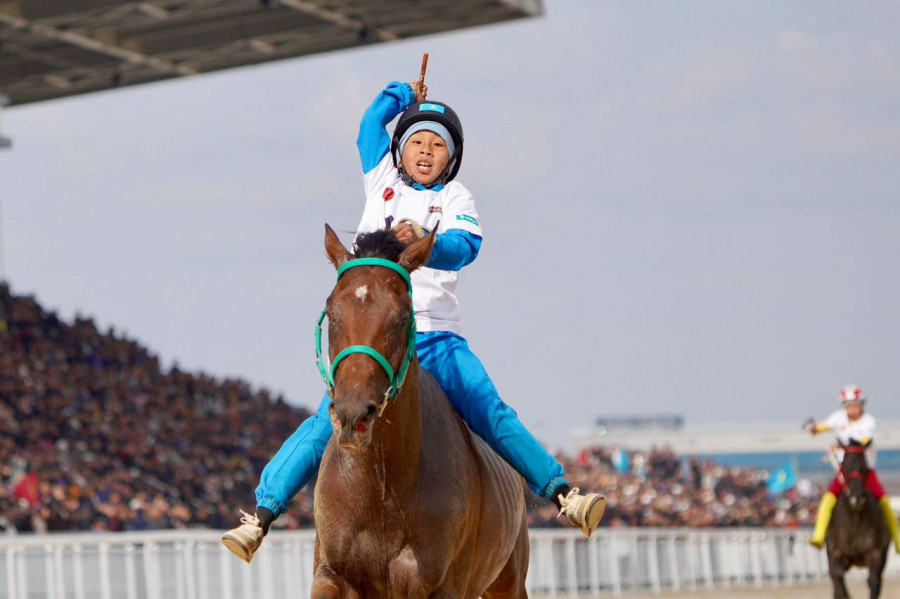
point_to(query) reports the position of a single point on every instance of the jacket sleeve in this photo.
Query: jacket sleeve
(454, 249)
(373, 140)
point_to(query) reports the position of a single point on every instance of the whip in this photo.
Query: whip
(422, 72)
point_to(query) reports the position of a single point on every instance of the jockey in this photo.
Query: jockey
(410, 188)
(852, 424)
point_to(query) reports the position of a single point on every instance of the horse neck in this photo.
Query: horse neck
(397, 439)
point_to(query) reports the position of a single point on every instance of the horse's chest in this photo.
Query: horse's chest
(376, 568)
(361, 552)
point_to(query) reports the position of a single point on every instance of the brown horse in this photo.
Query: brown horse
(408, 502)
(857, 535)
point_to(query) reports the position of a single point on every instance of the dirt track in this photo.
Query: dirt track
(857, 588)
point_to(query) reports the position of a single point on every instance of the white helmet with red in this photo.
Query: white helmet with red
(851, 393)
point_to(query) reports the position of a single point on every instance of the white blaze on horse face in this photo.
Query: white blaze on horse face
(361, 292)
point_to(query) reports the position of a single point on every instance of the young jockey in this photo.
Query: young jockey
(408, 180)
(851, 424)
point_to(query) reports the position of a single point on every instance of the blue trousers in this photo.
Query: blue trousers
(463, 378)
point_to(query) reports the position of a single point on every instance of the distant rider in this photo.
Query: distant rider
(852, 424)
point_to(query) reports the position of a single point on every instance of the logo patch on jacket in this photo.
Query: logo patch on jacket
(388, 194)
(466, 218)
(434, 209)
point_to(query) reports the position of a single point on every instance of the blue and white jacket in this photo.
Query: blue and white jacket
(449, 207)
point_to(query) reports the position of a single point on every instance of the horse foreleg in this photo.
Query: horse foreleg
(874, 584)
(837, 571)
(876, 569)
(326, 585)
(510, 584)
(325, 592)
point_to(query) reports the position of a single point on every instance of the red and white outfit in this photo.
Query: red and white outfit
(861, 430)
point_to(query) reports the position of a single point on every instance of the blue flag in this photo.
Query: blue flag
(620, 461)
(783, 478)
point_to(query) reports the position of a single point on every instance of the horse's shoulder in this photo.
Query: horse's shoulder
(441, 424)
(437, 410)
(435, 403)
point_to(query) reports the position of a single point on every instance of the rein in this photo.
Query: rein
(847, 476)
(396, 378)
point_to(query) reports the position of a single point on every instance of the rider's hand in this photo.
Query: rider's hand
(404, 233)
(421, 92)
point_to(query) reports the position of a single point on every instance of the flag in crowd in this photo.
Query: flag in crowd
(783, 478)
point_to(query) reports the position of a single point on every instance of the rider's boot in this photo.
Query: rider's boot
(244, 540)
(823, 517)
(583, 511)
(890, 518)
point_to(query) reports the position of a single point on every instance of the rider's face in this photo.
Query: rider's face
(425, 156)
(854, 409)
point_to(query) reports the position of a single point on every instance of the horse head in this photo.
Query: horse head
(371, 329)
(855, 469)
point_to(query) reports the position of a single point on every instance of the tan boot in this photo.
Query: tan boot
(583, 511)
(244, 540)
(823, 518)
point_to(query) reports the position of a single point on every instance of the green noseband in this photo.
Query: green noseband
(397, 378)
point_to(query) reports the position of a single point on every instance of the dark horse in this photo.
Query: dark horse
(408, 502)
(857, 535)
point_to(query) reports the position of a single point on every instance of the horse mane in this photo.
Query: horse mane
(382, 243)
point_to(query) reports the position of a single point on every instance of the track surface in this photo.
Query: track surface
(857, 588)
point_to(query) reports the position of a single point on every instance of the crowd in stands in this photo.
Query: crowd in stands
(660, 488)
(96, 435)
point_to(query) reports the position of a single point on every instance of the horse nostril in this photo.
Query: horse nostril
(366, 418)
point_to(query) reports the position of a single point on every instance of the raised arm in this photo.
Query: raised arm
(373, 140)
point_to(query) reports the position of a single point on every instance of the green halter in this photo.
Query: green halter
(397, 378)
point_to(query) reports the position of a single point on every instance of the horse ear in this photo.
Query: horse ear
(418, 252)
(336, 251)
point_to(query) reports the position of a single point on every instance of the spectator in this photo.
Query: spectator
(95, 435)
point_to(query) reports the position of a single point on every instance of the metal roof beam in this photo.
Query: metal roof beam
(42, 9)
(95, 45)
(338, 18)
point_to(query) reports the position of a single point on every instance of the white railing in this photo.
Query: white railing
(194, 565)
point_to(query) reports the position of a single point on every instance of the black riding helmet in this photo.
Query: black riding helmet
(439, 113)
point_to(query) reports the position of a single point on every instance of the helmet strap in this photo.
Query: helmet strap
(446, 174)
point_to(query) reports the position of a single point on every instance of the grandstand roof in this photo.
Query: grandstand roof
(57, 48)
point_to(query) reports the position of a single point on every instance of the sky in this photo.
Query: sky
(689, 208)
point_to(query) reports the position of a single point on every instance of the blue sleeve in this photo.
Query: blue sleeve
(373, 140)
(454, 249)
